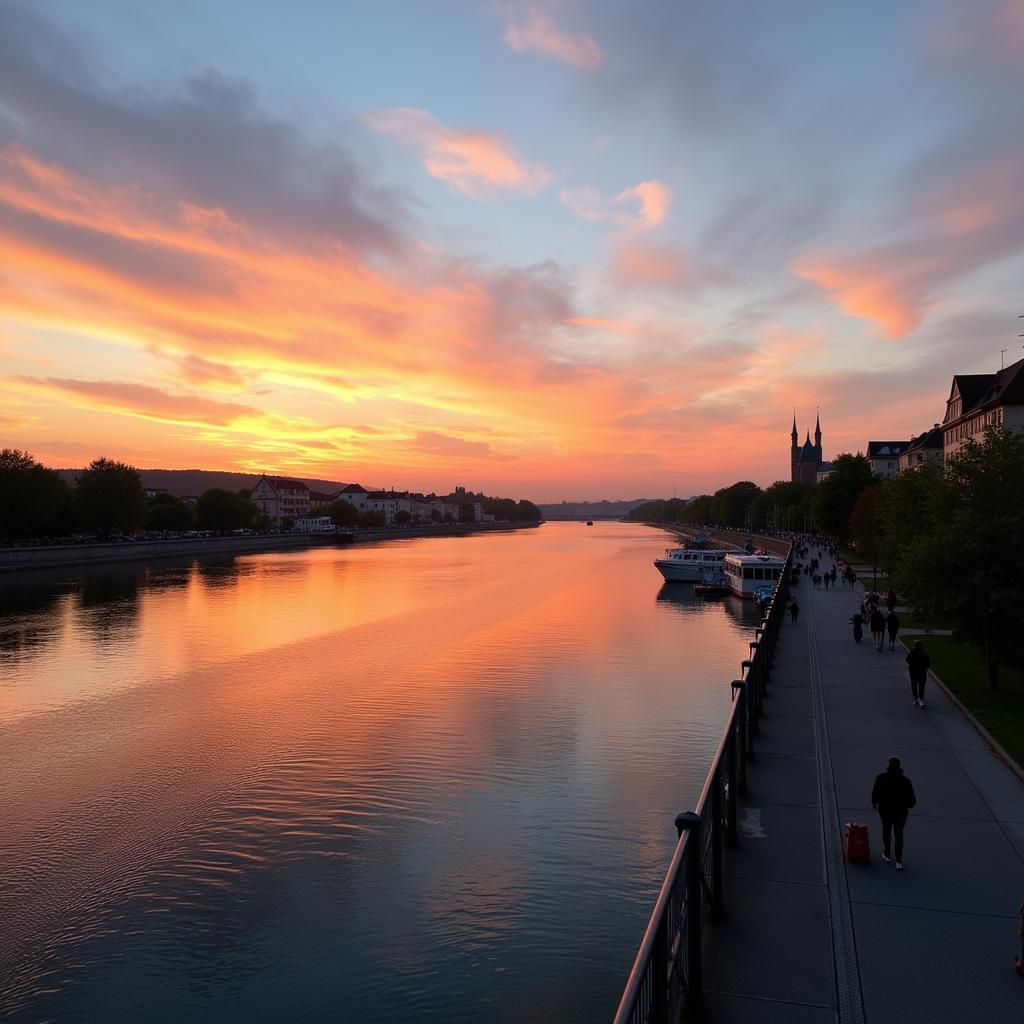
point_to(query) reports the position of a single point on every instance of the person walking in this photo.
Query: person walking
(877, 622)
(892, 796)
(890, 600)
(794, 611)
(858, 627)
(892, 626)
(918, 664)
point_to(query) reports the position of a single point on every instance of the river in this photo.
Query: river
(423, 780)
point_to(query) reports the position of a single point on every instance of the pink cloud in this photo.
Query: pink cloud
(652, 197)
(476, 163)
(639, 261)
(537, 32)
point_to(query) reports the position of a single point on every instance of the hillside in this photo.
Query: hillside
(590, 509)
(192, 482)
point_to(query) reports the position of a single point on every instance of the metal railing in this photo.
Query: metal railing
(666, 982)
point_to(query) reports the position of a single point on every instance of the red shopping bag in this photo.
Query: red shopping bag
(858, 846)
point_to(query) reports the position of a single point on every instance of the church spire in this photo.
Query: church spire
(817, 437)
(794, 435)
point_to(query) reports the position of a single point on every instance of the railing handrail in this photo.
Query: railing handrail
(741, 719)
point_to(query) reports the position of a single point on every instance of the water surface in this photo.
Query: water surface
(424, 780)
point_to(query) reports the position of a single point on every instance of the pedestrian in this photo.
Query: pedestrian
(833, 574)
(826, 579)
(892, 796)
(918, 664)
(877, 622)
(892, 625)
(794, 611)
(890, 600)
(858, 627)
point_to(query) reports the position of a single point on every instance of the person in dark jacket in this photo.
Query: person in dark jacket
(858, 627)
(892, 796)
(890, 600)
(794, 611)
(892, 626)
(877, 621)
(918, 664)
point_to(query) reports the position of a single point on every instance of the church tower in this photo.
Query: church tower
(817, 439)
(794, 450)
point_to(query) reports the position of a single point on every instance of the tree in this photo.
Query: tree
(955, 542)
(836, 495)
(219, 509)
(729, 505)
(868, 523)
(402, 517)
(167, 512)
(342, 513)
(372, 519)
(109, 498)
(33, 499)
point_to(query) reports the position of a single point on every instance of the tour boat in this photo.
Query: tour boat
(684, 565)
(753, 576)
(713, 583)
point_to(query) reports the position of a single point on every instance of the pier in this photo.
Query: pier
(761, 918)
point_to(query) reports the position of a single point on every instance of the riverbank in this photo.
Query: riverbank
(62, 555)
(733, 538)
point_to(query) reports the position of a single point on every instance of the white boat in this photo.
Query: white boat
(749, 574)
(684, 565)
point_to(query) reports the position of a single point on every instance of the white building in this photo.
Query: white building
(281, 498)
(355, 495)
(981, 400)
(884, 457)
(926, 447)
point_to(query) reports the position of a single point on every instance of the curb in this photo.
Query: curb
(978, 727)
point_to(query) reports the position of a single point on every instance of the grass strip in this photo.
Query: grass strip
(962, 669)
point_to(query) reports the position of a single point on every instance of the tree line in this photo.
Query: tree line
(949, 537)
(108, 500)
(951, 540)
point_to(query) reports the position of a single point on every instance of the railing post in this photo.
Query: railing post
(659, 975)
(747, 668)
(731, 831)
(691, 822)
(740, 687)
(717, 907)
(757, 659)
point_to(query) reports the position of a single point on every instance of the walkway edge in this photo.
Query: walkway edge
(997, 748)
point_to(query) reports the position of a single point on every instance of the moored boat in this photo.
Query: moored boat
(753, 576)
(684, 565)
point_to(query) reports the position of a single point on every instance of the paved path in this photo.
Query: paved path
(811, 939)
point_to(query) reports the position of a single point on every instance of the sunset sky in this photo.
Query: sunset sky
(547, 250)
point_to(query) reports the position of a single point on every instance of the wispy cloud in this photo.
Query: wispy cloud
(650, 199)
(476, 163)
(535, 31)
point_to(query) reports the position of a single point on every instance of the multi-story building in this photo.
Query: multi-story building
(355, 495)
(884, 457)
(281, 498)
(980, 400)
(926, 447)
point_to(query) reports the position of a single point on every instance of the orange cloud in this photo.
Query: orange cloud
(537, 32)
(866, 294)
(478, 164)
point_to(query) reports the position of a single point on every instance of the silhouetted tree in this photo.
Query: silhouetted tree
(109, 498)
(167, 512)
(33, 499)
(836, 495)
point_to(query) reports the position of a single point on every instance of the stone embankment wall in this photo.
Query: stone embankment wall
(735, 538)
(54, 555)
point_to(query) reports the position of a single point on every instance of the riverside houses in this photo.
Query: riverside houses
(926, 447)
(884, 457)
(281, 498)
(980, 400)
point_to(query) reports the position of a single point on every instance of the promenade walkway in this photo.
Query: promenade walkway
(811, 939)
